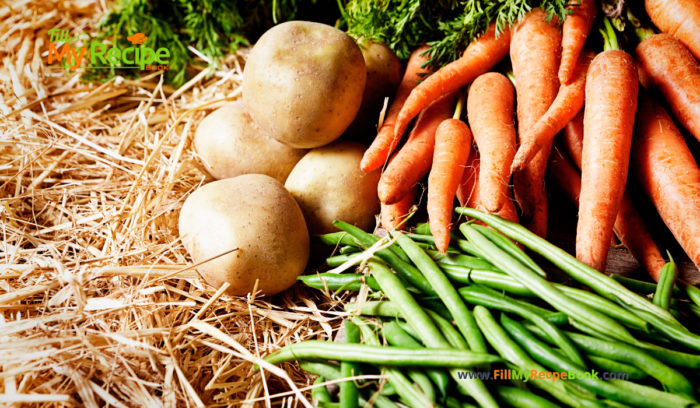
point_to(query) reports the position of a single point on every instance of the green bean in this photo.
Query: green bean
(421, 323)
(642, 287)
(477, 296)
(348, 389)
(380, 402)
(462, 244)
(376, 308)
(660, 353)
(408, 329)
(466, 261)
(606, 389)
(673, 332)
(426, 246)
(335, 239)
(671, 379)
(516, 397)
(335, 281)
(486, 297)
(406, 271)
(512, 352)
(320, 394)
(349, 249)
(492, 279)
(642, 392)
(404, 388)
(328, 404)
(667, 281)
(694, 309)
(423, 228)
(336, 261)
(437, 307)
(423, 381)
(691, 291)
(605, 306)
(398, 337)
(367, 240)
(510, 248)
(447, 329)
(544, 289)
(613, 366)
(584, 274)
(321, 368)
(463, 317)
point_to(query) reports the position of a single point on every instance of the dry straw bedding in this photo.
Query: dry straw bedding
(99, 301)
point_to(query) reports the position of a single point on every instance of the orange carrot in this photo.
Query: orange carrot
(479, 57)
(629, 226)
(385, 142)
(453, 140)
(679, 18)
(394, 214)
(490, 109)
(535, 51)
(573, 139)
(576, 28)
(413, 161)
(668, 173)
(612, 86)
(468, 191)
(568, 103)
(666, 66)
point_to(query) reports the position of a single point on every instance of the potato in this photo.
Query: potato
(231, 144)
(384, 74)
(303, 83)
(255, 214)
(329, 185)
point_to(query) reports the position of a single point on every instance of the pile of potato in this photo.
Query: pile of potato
(305, 86)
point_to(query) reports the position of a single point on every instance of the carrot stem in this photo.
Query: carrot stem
(460, 102)
(609, 36)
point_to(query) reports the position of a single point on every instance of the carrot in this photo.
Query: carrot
(453, 140)
(668, 173)
(385, 142)
(679, 18)
(414, 159)
(478, 58)
(394, 214)
(535, 52)
(629, 226)
(490, 111)
(576, 28)
(612, 86)
(568, 103)
(573, 138)
(468, 191)
(666, 66)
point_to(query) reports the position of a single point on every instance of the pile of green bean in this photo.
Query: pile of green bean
(486, 307)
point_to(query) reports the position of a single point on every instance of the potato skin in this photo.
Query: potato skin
(303, 83)
(329, 185)
(231, 144)
(255, 214)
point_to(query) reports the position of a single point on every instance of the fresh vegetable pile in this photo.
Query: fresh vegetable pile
(449, 323)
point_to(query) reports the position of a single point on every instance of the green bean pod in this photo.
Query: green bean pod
(642, 287)
(447, 329)
(579, 271)
(397, 337)
(515, 397)
(510, 248)
(671, 379)
(613, 366)
(320, 394)
(436, 306)
(366, 240)
(406, 271)
(476, 296)
(606, 389)
(450, 249)
(691, 291)
(544, 289)
(403, 386)
(462, 244)
(605, 306)
(511, 351)
(447, 292)
(336, 261)
(336, 281)
(335, 239)
(421, 323)
(667, 281)
(348, 389)
(466, 261)
(485, 297)
(349, 249)
(673, 332)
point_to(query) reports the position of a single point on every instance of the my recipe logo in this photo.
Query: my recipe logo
(103, 56)
(508, 374)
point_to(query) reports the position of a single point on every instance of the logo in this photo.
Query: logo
(102, 56)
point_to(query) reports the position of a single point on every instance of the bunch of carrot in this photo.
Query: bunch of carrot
(513, 127)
